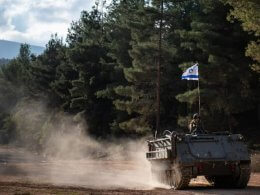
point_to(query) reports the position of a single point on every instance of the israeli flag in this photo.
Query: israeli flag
(191, 73)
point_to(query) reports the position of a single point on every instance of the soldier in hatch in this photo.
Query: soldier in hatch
(195, 126)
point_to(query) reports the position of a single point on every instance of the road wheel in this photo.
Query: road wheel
(244, 176)
(178, 178)
(239, 180)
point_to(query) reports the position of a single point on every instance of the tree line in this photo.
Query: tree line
(105, 72)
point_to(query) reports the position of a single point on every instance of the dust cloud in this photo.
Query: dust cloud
(69, 156)
(80, 160)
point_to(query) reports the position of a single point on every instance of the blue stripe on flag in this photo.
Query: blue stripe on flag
(190, 76)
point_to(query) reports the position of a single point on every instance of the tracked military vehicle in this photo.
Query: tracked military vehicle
(222, 158)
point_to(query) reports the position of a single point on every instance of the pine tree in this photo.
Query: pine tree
(218, 47)
(43, 70)
(62, 84)
(87, 51)
(118, 43)
(138, 98)
(248, 12)
(125, 37)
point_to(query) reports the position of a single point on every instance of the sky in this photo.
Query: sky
(34, 21)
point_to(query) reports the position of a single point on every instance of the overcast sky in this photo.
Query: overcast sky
(33, 21)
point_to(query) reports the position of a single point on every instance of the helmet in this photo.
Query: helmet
(196, 115)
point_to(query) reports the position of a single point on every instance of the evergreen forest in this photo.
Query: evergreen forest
(106, 71)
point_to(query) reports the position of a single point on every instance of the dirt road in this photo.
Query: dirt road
(24, 173)
(196, 189)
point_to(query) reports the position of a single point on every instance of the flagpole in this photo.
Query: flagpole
(192, 73)
(199, 89)
(199, 94)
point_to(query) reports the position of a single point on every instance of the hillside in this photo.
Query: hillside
(10, 49)
(4, 61)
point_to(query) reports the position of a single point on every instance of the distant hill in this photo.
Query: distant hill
(10, 49)
(4, 61)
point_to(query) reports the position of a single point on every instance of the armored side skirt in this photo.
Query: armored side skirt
(215, 167)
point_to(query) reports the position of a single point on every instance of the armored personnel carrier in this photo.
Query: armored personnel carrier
(222, 158)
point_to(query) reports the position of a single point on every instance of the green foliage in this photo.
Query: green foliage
(248, 12)
(139, 98)
(48, 71)
(7, 129)
(219, 49)
(106, 71)
(87, 50)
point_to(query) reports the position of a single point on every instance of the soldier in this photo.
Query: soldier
(195, 125)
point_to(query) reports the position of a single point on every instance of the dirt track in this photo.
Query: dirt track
(22, 173)
(33, 188)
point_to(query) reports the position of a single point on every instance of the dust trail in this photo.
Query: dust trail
(87, 162)
(69, 156)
